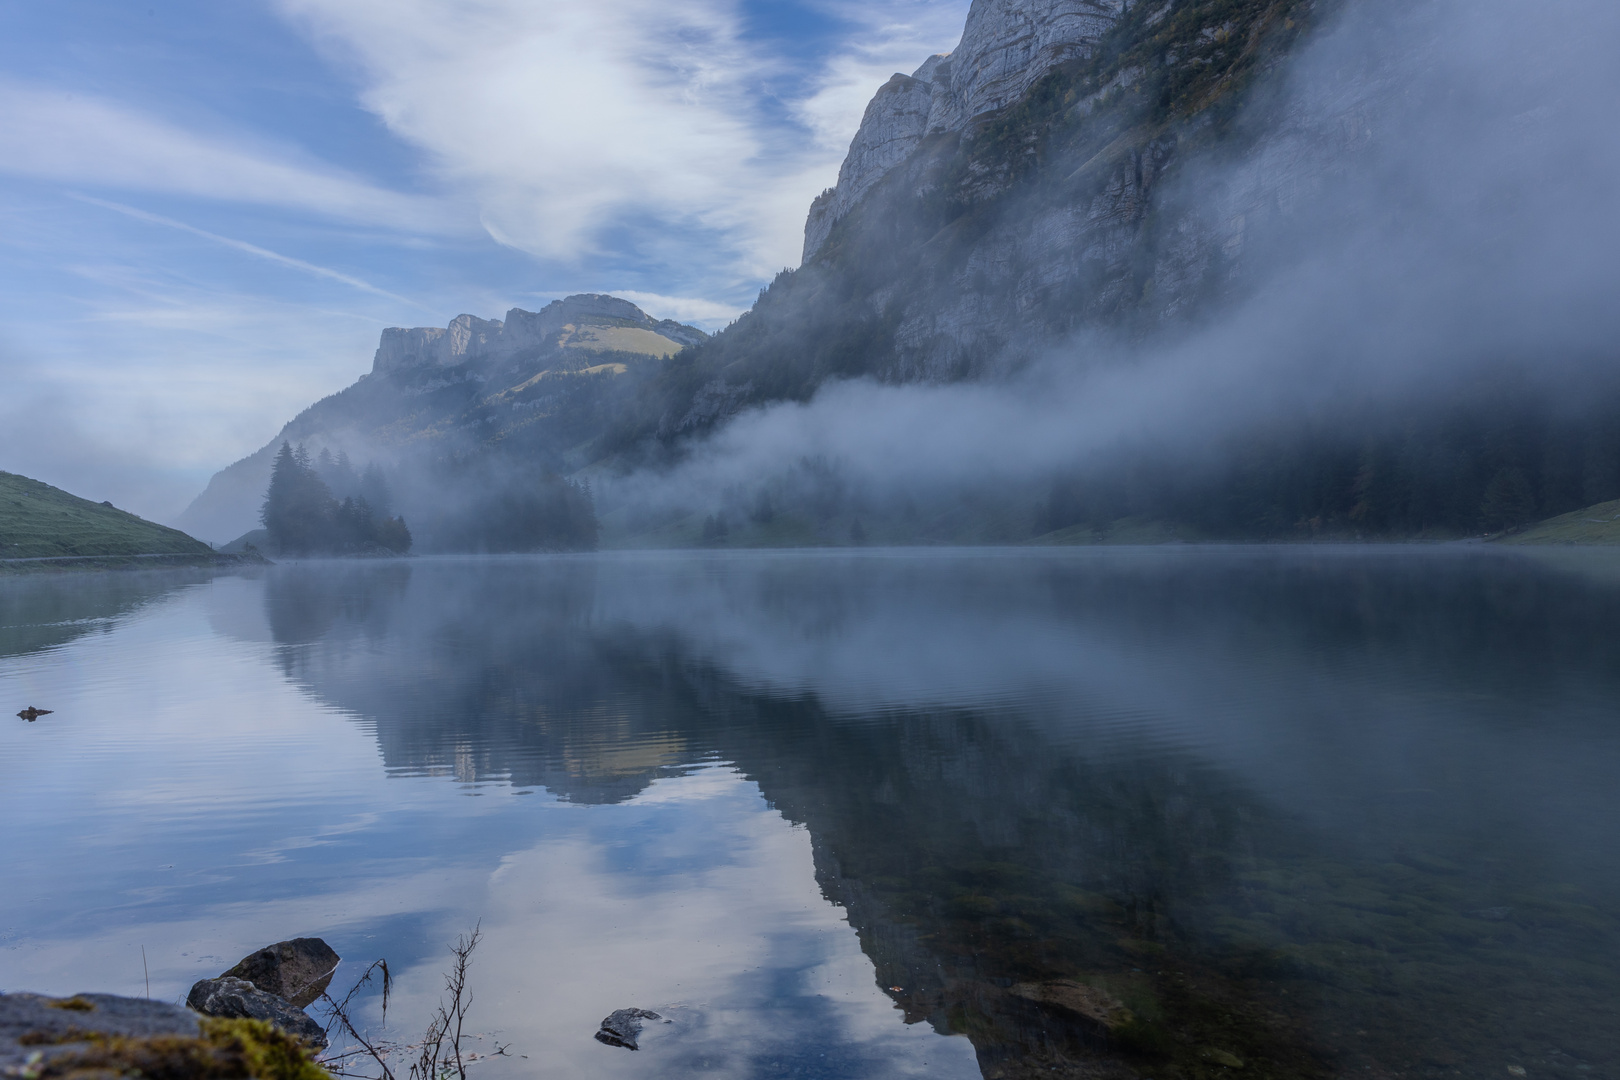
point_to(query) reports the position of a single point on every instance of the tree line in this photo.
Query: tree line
(324, 507)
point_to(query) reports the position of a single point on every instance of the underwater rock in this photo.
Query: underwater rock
(1095, 1005)
(622, 1027)
(1222, 1057)
(234, 998)
(298, 970)
(34, 1023)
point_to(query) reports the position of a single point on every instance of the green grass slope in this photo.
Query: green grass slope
(1598, 524)
(40, 521)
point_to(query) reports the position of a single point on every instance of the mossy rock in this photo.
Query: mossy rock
(225, 1050)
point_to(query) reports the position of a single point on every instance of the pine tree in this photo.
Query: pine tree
(299, 511)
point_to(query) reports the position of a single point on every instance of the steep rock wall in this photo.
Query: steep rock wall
(1006, 46)
(1140, 156)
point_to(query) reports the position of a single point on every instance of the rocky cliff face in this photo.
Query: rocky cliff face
(1007, 45)
(1073, 166)
(572, 323)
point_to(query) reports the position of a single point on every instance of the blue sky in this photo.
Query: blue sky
(208, 210)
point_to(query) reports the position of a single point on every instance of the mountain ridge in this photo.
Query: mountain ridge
(513, 379)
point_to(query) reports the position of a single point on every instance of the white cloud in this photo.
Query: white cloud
(705, 313)
(81, 139)
(896, 37)
(564, 120)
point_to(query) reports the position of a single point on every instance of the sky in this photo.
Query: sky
(209, 211)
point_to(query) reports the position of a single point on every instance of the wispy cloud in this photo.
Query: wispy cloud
(687, 309)
(565, 121)
(244, 246)
(84, 140)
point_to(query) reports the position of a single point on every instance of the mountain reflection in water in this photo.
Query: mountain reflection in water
(1318, 811)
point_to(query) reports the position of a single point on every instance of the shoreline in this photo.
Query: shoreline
(46, 564)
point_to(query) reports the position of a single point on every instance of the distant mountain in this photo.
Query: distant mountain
(41, 521)
(538, 384)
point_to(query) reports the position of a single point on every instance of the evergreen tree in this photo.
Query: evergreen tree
(303, 517)
(298, 509)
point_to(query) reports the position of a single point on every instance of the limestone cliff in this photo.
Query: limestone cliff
(585, 323)
(1007, 45)
(1072, 166)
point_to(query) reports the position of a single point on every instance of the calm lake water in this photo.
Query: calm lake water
(1327, 812)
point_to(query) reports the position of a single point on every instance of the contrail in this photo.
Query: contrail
(242, 245)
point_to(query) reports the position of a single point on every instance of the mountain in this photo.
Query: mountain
(1274, 260)
(1020, 189)
(535, 383)
(1291, 240)
(41, 521)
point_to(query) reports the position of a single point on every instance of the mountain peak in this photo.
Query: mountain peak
(1006, 46)
(558, 324)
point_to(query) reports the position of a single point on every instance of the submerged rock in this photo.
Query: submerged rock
(623, 1026)
(234, 998)
(1095, 1005)
(34, 1023)
(298, 970)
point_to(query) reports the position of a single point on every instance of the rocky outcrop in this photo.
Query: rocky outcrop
(894, 123)
(469, 338)
(466, 338)
(623, 1027)
(298, 970)
(35, 1024)
(1006, 46)
(234, 999)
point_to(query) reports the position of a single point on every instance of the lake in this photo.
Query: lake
(1264, 811)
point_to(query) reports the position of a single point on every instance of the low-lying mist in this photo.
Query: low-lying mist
(1438, 255)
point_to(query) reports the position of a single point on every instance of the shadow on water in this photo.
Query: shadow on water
(47, 610)
(1300, 812)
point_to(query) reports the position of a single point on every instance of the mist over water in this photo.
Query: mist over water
(830, 811)
(1418, 204)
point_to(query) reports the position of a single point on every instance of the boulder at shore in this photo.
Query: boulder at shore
(237, 998)
(298, 970)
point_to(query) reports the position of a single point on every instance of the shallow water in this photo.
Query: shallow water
(1324, 811)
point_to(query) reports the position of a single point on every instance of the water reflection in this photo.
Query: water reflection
(1297, 807)
(1319, 811)
(45, 610)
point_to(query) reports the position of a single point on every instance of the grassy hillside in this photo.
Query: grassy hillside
(37, 520)
(1598, 524)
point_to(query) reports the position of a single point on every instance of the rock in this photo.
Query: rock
(1095, 1005)
(298, 970)
(47, 1025)
(469, 338)
(1222, 1057)
(1006, 46)
(233, 998)
(622, 1027)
